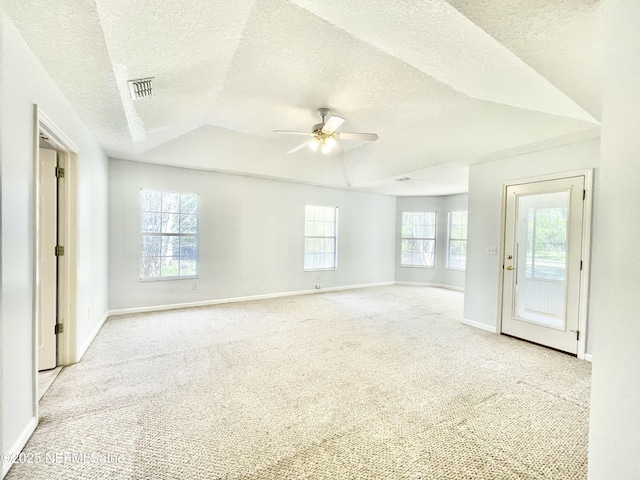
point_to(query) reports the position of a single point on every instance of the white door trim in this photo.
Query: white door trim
(586, 247)
(68, 234)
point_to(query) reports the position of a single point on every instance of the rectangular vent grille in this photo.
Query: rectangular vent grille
(141, 88)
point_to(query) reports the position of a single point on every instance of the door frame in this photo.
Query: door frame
(585, 253)
(67, 351)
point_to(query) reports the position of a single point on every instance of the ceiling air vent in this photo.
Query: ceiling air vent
(402, 179)
(141, 88)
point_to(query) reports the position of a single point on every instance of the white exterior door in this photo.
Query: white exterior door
(47, 261)
(542, 262)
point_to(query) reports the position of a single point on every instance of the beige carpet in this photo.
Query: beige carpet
(378, 383)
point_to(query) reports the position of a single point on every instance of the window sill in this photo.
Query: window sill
(161, 279)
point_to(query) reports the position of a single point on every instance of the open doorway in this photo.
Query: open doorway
(55, 252)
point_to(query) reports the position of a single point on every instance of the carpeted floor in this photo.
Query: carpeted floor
(380, 383)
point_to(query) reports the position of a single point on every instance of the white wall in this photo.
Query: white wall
(25, 83)
(442, 205)
(614, 429)
(485, 206)
(251, 236)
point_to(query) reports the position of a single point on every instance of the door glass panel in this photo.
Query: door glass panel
(541, 246)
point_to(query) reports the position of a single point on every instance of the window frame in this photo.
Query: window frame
(450, 239)
(162, 235)
(434, 239)
(334, 237)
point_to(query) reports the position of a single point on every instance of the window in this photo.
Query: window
(169, 235)
(418, 239)
(547, 243)
(457, 250)
(320, 237)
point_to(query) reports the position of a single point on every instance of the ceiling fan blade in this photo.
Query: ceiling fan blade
(289, 132)
(333, 124)
(369, 137)
(299, 147)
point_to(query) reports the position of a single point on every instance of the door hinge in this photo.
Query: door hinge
(584, 194)
(59, 172)
(577, 334)
(580, 264)
(59, 328)
(59, 250)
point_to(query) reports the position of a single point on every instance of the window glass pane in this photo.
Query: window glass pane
(309, 244)
(188, 224)
(188, 248)
(188, 203)
(151, 201)
(319, 214)
(308, 228)
(170, 246)
(150, 222)
(150, 245)
(329, 245)
(430, 218)
(309, 211)
(454, 247)
(170, 202)
(308, 260)
(430, 232)
(328, 261)
(170, 266)
(330, 214)
(457, 240)
(318, 261)
(188, 267)
(150, 267)
(170, 223)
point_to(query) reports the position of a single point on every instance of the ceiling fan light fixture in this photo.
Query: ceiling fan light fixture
(331, 142)
(314, 144)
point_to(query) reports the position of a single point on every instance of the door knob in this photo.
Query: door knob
(509, 267)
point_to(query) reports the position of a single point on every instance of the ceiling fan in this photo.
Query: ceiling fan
(324, 135)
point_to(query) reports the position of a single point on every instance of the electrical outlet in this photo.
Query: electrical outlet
(492, 250)
(317, 287)
(195, 286)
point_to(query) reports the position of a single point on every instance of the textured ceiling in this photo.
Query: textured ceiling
(444, 84)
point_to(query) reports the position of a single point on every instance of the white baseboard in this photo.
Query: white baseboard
(588, 357)
(481, 326)
(435, 285)
(204, 303)
(93, 334)
(19, 444)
